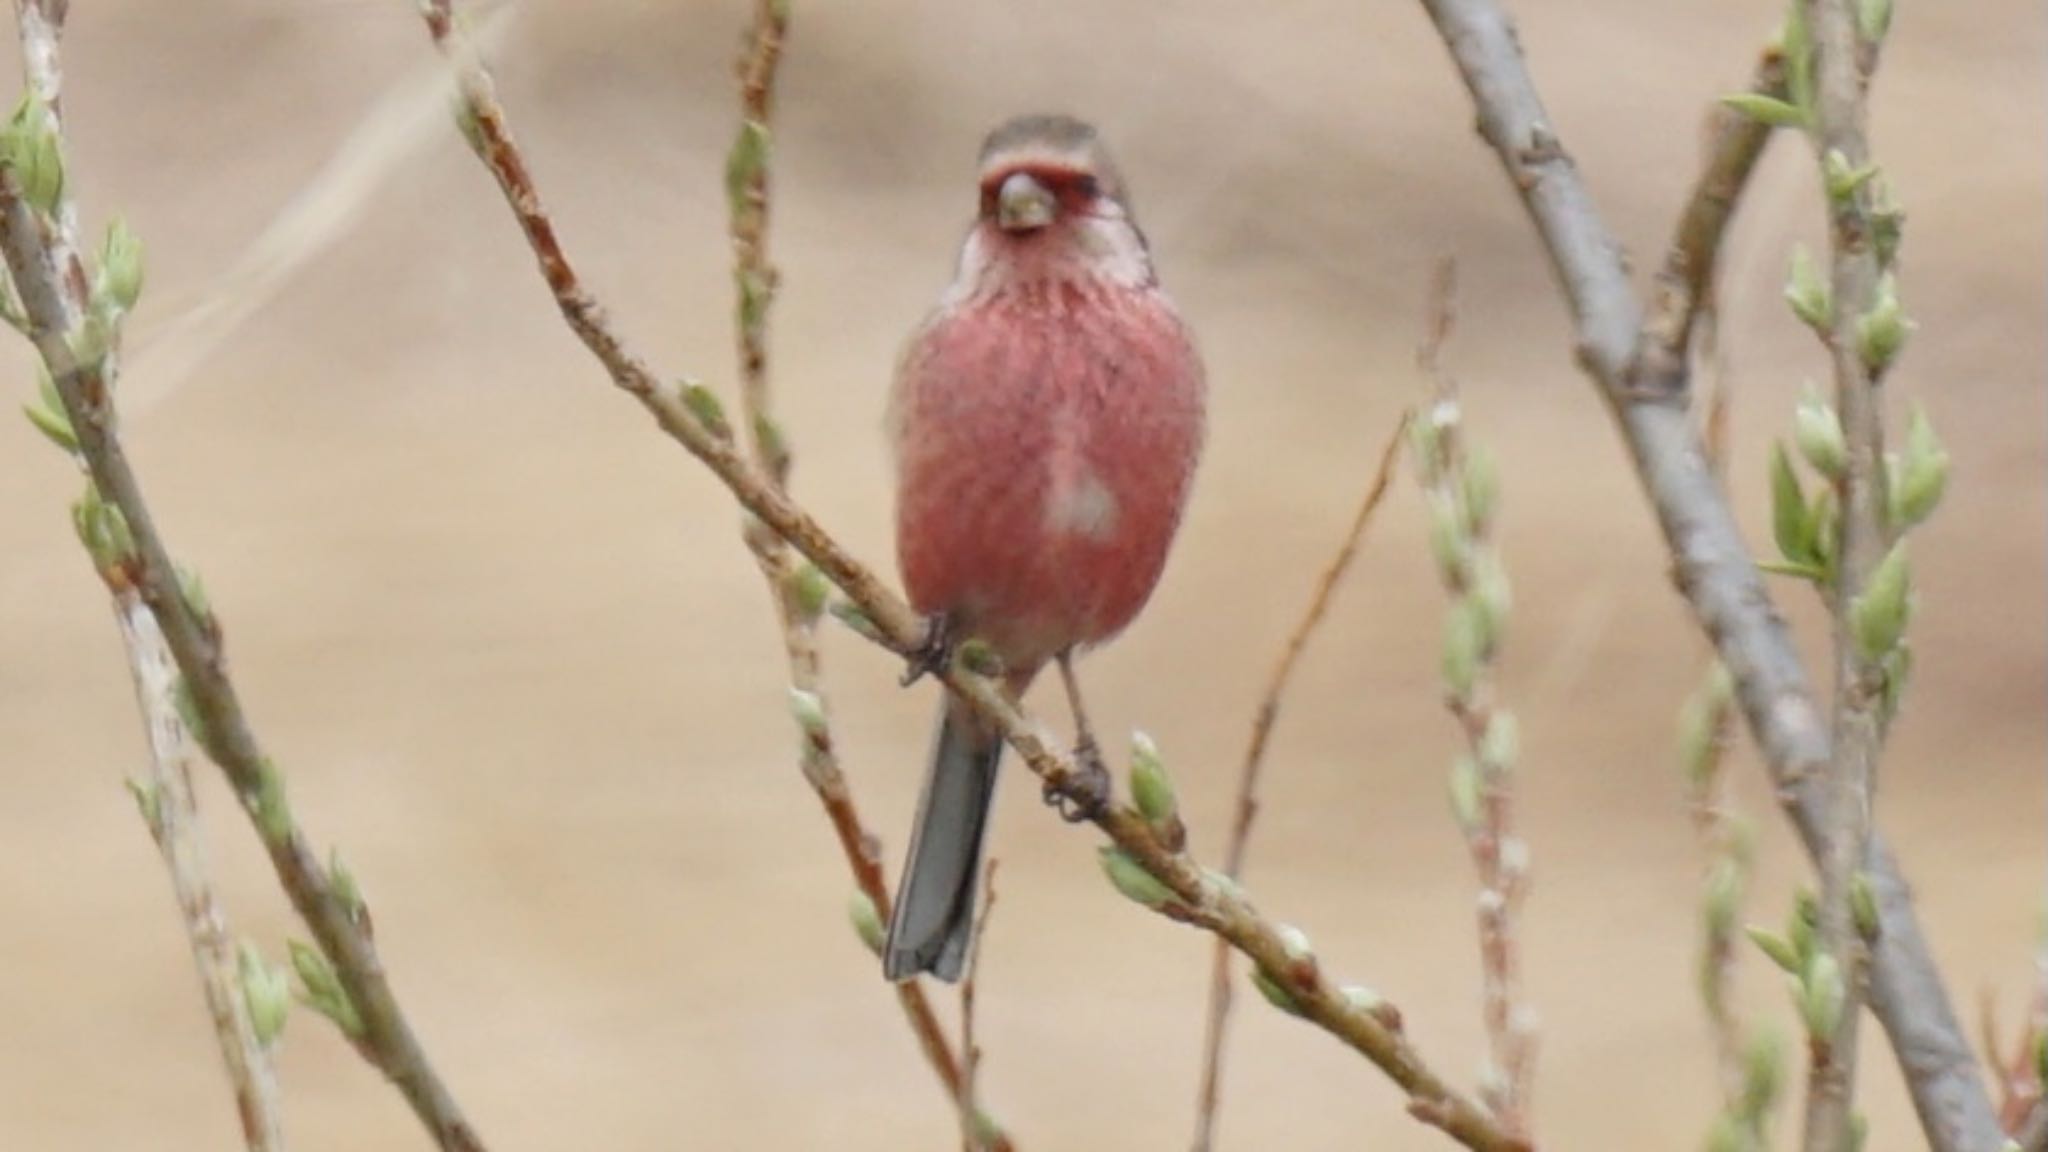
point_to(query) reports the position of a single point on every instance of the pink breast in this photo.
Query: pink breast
(1045, 444)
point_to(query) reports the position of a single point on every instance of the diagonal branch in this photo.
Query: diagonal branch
(1711, 563)
(42, 254)
(797, 590)
(1180, 888)
(1209, 1097)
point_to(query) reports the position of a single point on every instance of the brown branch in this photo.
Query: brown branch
(42, 254)
(1194, 895)
(1217, 1023)
(172, 814)
(797, 592)
(1462, 493)
(1864, 538)
(1712, 565)
(974, 1128)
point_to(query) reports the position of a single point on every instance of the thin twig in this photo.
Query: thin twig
(1864, 538)
(172, 814)
(974, 1128)
(789, 584)
(1713, 567)
(42, 255)
(1217, 1024)
(1462, 491)
(1194, 895)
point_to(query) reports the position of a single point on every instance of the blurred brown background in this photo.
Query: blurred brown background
(501, 634)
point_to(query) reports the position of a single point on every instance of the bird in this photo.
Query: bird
(1046, 420)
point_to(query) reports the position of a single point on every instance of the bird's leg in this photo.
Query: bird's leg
(1084, 796)
(933, 652)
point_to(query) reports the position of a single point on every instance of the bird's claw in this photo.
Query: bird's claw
(933, 652)
(1083, 795)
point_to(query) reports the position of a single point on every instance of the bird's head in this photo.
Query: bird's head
(1052, 206)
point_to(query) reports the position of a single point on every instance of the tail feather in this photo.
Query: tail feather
(934, 915)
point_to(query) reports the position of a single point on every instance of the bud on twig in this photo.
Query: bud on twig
(1922, 474)
(1822, 995)
(266, 991)
(1130, 878)
(30, 151)
(1882, 331)
(1152, 791)
(321, 989)
(119, 283)
(1879, 615)
(867, 922)
(1818, 432)
(1807, 292)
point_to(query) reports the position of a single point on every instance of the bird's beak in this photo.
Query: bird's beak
(1023, 204)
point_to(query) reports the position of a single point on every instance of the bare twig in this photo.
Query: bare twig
(1463, 494)
(797, 591)
(1192, 894)
(1217, 1024)
(974, 1127)
(1712, 565)
(42, 254)
(173, 817)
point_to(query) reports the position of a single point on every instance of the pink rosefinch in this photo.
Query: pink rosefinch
(1047, 419)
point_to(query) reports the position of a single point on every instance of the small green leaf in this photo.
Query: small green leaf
(1790, 524)
(1130, 878)
(1781, 951)
(52, 423)
(1879, 615)
(867, 922)
(1767, 110)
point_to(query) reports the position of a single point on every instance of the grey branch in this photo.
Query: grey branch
(1711, 563)
(48, 272)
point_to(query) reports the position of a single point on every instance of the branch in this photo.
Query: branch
(977, 1133)
(1463, 493)
(1254, 761)
(1712, 565)
(1184, 890)
(1838, 137)
(57, 297)
(171, 812)
(797, 590)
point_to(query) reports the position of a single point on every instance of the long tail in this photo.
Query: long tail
(934, 913)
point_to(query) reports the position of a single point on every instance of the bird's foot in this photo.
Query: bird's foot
(1085, 794)
(933, 652)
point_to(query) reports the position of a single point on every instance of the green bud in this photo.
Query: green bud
(987, 1132)
(266, 991)
(1841, 177)
(867, 922)
(468, 125)
(1826, 518)
(1768, 110)
(1797, 50)
(856, 619)
(103, 530)
(347, 892)
(808, 708)
(321, 988)
(745, 163)
(1887, 224)
(1150, 788)
(1464, 647)
(1782, 952)
(1863, 906)
(192, 592)
(1922, 475)
(1822, 995)
(704, 404)
(1858, 1134)
(1802, 926)
(1882, 331)
(1465, 792)
(1275, 995)
(1449, 543)
(1791, 526)
(1873, 19)
(1362, 998)
(119, 283)
(1130, 878)
(774, 446)
(1878, 616)
(188, 711)
(1501, 743)
(808, 592)
(1723, 897)
(1426, 442)
(1699, 724)
(1491, 596)
(1296, 942)
(149, 801)
(54, 425)
(1481, 489)
(266, 803)
(975, 655)
(1763, 1073)
(29, 149)
(1807, 292)
(1818, 432)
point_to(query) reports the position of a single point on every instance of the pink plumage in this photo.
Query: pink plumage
(1047, 419)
